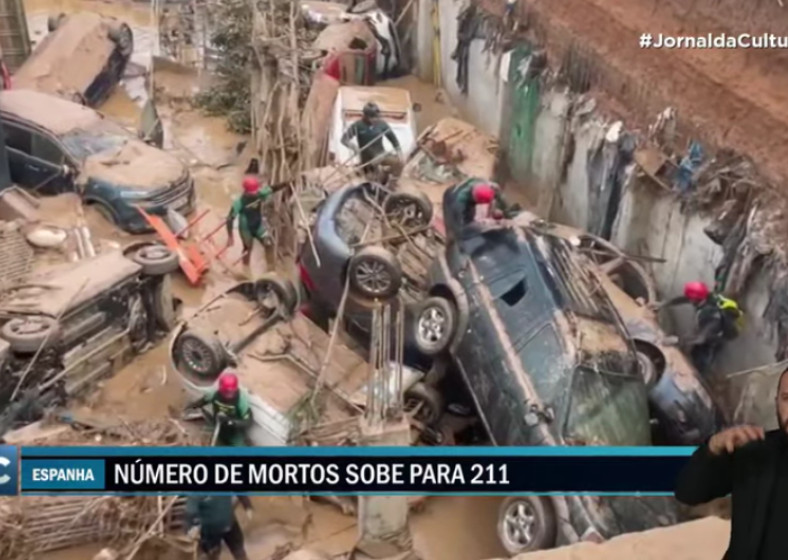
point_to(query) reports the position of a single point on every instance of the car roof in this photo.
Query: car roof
(57, 115)
(68, 59)
(390, 100)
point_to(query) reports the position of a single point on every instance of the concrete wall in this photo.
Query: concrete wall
(484, 103)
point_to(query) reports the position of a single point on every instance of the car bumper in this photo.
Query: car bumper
(131, 220)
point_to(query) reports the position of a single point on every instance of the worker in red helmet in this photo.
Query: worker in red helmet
(460, 203)
(247, 208)
(230, 409)
(718, 319)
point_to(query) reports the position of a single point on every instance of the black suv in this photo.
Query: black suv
(548, 362)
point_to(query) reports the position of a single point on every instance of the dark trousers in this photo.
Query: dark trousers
(211, 544)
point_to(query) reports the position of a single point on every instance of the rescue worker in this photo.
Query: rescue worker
(230, 410)
(212, 520)
(719, 319)
(464, 198)
(248, 209)
(368, 132)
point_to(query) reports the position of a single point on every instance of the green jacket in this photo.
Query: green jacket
(465, 205)
(248, 210)
(239, 414)
(213, 514)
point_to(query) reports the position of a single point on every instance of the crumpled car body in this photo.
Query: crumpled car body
(82, 58)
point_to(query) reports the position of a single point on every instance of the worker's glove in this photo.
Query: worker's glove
(194, 533)
(222, 418)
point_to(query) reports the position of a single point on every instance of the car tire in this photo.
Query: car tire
(649, 370)
(413, 210)
(104, 210)
(430, 400)
(53, 22)
(282, 288)
(27, 335)
(526, 524)
(164, 308)
(375, 273)
(123, 36)
(434, 325)
(156, 260)
(200, 356)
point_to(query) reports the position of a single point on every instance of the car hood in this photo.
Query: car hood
(135, 165)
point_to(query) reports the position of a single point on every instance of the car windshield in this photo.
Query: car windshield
(104, 136)
(607, 408)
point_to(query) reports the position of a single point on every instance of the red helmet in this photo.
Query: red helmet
(250, 184)
(483, 194)
(228, 384)
(696, 291)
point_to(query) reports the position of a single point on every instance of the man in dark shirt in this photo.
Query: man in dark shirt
(718, 318)
(212, 518)
(368, 132)
(751, 466)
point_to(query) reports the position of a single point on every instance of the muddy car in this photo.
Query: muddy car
(70, 326)
(547, 361)
(683, 408)
(82, 58)
(346, 228)
(56, 146)
(277, 355)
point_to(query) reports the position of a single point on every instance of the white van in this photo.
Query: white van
(396, 109)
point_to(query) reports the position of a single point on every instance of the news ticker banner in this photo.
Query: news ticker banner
(341, 470)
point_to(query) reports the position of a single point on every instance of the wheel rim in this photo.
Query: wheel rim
(432, 325)
(155, 253)
(373, 277)
(197, 357)
(30, 326)
(520, 521)
(416, 408)
(646, 368)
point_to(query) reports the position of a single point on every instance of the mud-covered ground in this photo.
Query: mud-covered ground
(447, 528)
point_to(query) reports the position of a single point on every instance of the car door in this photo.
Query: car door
(37, 162)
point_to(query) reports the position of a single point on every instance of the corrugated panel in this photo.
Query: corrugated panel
(14, 35)
(16, 257)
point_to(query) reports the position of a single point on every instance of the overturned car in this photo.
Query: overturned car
(65, 329)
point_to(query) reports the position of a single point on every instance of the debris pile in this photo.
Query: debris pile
(37, 524)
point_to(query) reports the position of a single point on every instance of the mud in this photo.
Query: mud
(135, 164)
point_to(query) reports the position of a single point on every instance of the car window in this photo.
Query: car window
(18, 138)
(607, 409)
(47, 150)
(544, 360)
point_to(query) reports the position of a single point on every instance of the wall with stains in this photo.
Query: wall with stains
(564, 166)
(483, 105)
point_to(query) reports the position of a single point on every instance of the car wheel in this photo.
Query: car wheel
(375, 273)
(53, 22)
(526, 524)
(651, 363)
(274, 292)
(164, 304)
(123, 36)
(408, 210)
(424, 403)
(203, 357)
(436, 320)
(27, 335)
(156, 260)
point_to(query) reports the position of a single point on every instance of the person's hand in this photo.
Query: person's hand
(497, 215)
(222, 418)
(194, 533)
(727, 441)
